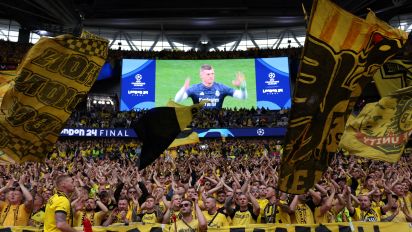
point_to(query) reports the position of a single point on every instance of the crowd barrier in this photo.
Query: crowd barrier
(338, 227)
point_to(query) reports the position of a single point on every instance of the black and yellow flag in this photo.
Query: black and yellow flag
(187, 136)
(6, 79)
(340, 56)
(159, 127)
(53, 78)
(382, 129)
(393, 75)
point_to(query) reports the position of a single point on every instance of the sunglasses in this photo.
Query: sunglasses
(186, 204)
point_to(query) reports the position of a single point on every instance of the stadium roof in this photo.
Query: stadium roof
(214, 21)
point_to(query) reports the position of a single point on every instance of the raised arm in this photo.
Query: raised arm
(28, 198)
(200, 217)
(181, 94)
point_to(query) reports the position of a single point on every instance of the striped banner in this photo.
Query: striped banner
(54, 77)
(341, 54)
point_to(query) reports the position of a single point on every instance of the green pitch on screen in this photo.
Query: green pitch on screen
(171, 75)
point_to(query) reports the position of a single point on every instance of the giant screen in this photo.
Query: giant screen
(246, 83)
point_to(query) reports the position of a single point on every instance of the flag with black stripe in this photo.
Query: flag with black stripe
(159, 127)
(341, 54)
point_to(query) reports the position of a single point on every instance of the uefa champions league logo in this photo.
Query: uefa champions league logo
(138, 77)
(271, 76)
(272, 80)
(138, 83)
(260, 132)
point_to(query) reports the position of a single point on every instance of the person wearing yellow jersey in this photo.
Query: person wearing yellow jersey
(366, 213)
(121, 214)
(220, 199)
(15, 211)
(37, 215)
(244, 213)
(58, 215)
(151, 212)
(275, 211)
(303, 212)
(187, 222)
(403, 199)
(173, 209)
(396, 213)
(90, 213)
(261, 199)
(214, 218)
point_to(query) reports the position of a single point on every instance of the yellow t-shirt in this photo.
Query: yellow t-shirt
(262, 203)
(327, 217)
(372, 215)
(96, 218)
(57, 203)
(218, 221)
(279, 217)
(149, 218)
(13, 215)
(247, 217)
(37, 219)
(303, 214)
(400, 217)
(185, 227)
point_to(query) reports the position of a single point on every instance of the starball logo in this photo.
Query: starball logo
(272, 80)
(138, 83)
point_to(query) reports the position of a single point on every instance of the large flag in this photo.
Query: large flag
(188, 136)
(340, 56)
(393, 75)
(53, 78)
(6, 79)
(381, 130)
(159, 127)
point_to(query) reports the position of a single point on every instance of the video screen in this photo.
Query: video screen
(228, 83)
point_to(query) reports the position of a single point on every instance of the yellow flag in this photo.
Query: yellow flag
(53, 78)
(381, 130)
(185, 137)
(6, 79)
(340, 56)
(393, 75)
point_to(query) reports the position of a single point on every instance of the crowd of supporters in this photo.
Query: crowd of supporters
(107, 117)
(13, 52)
(190, 55)
(212, 184)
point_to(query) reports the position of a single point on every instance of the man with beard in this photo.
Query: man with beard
(89, 212)
(187, 222)
(214, 218)
(220, 199)
(151, 212)
(366, 213)
(121, 214)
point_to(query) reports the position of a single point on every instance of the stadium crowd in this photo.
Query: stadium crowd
(211, 184)
(108, 117)
(13, 53)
